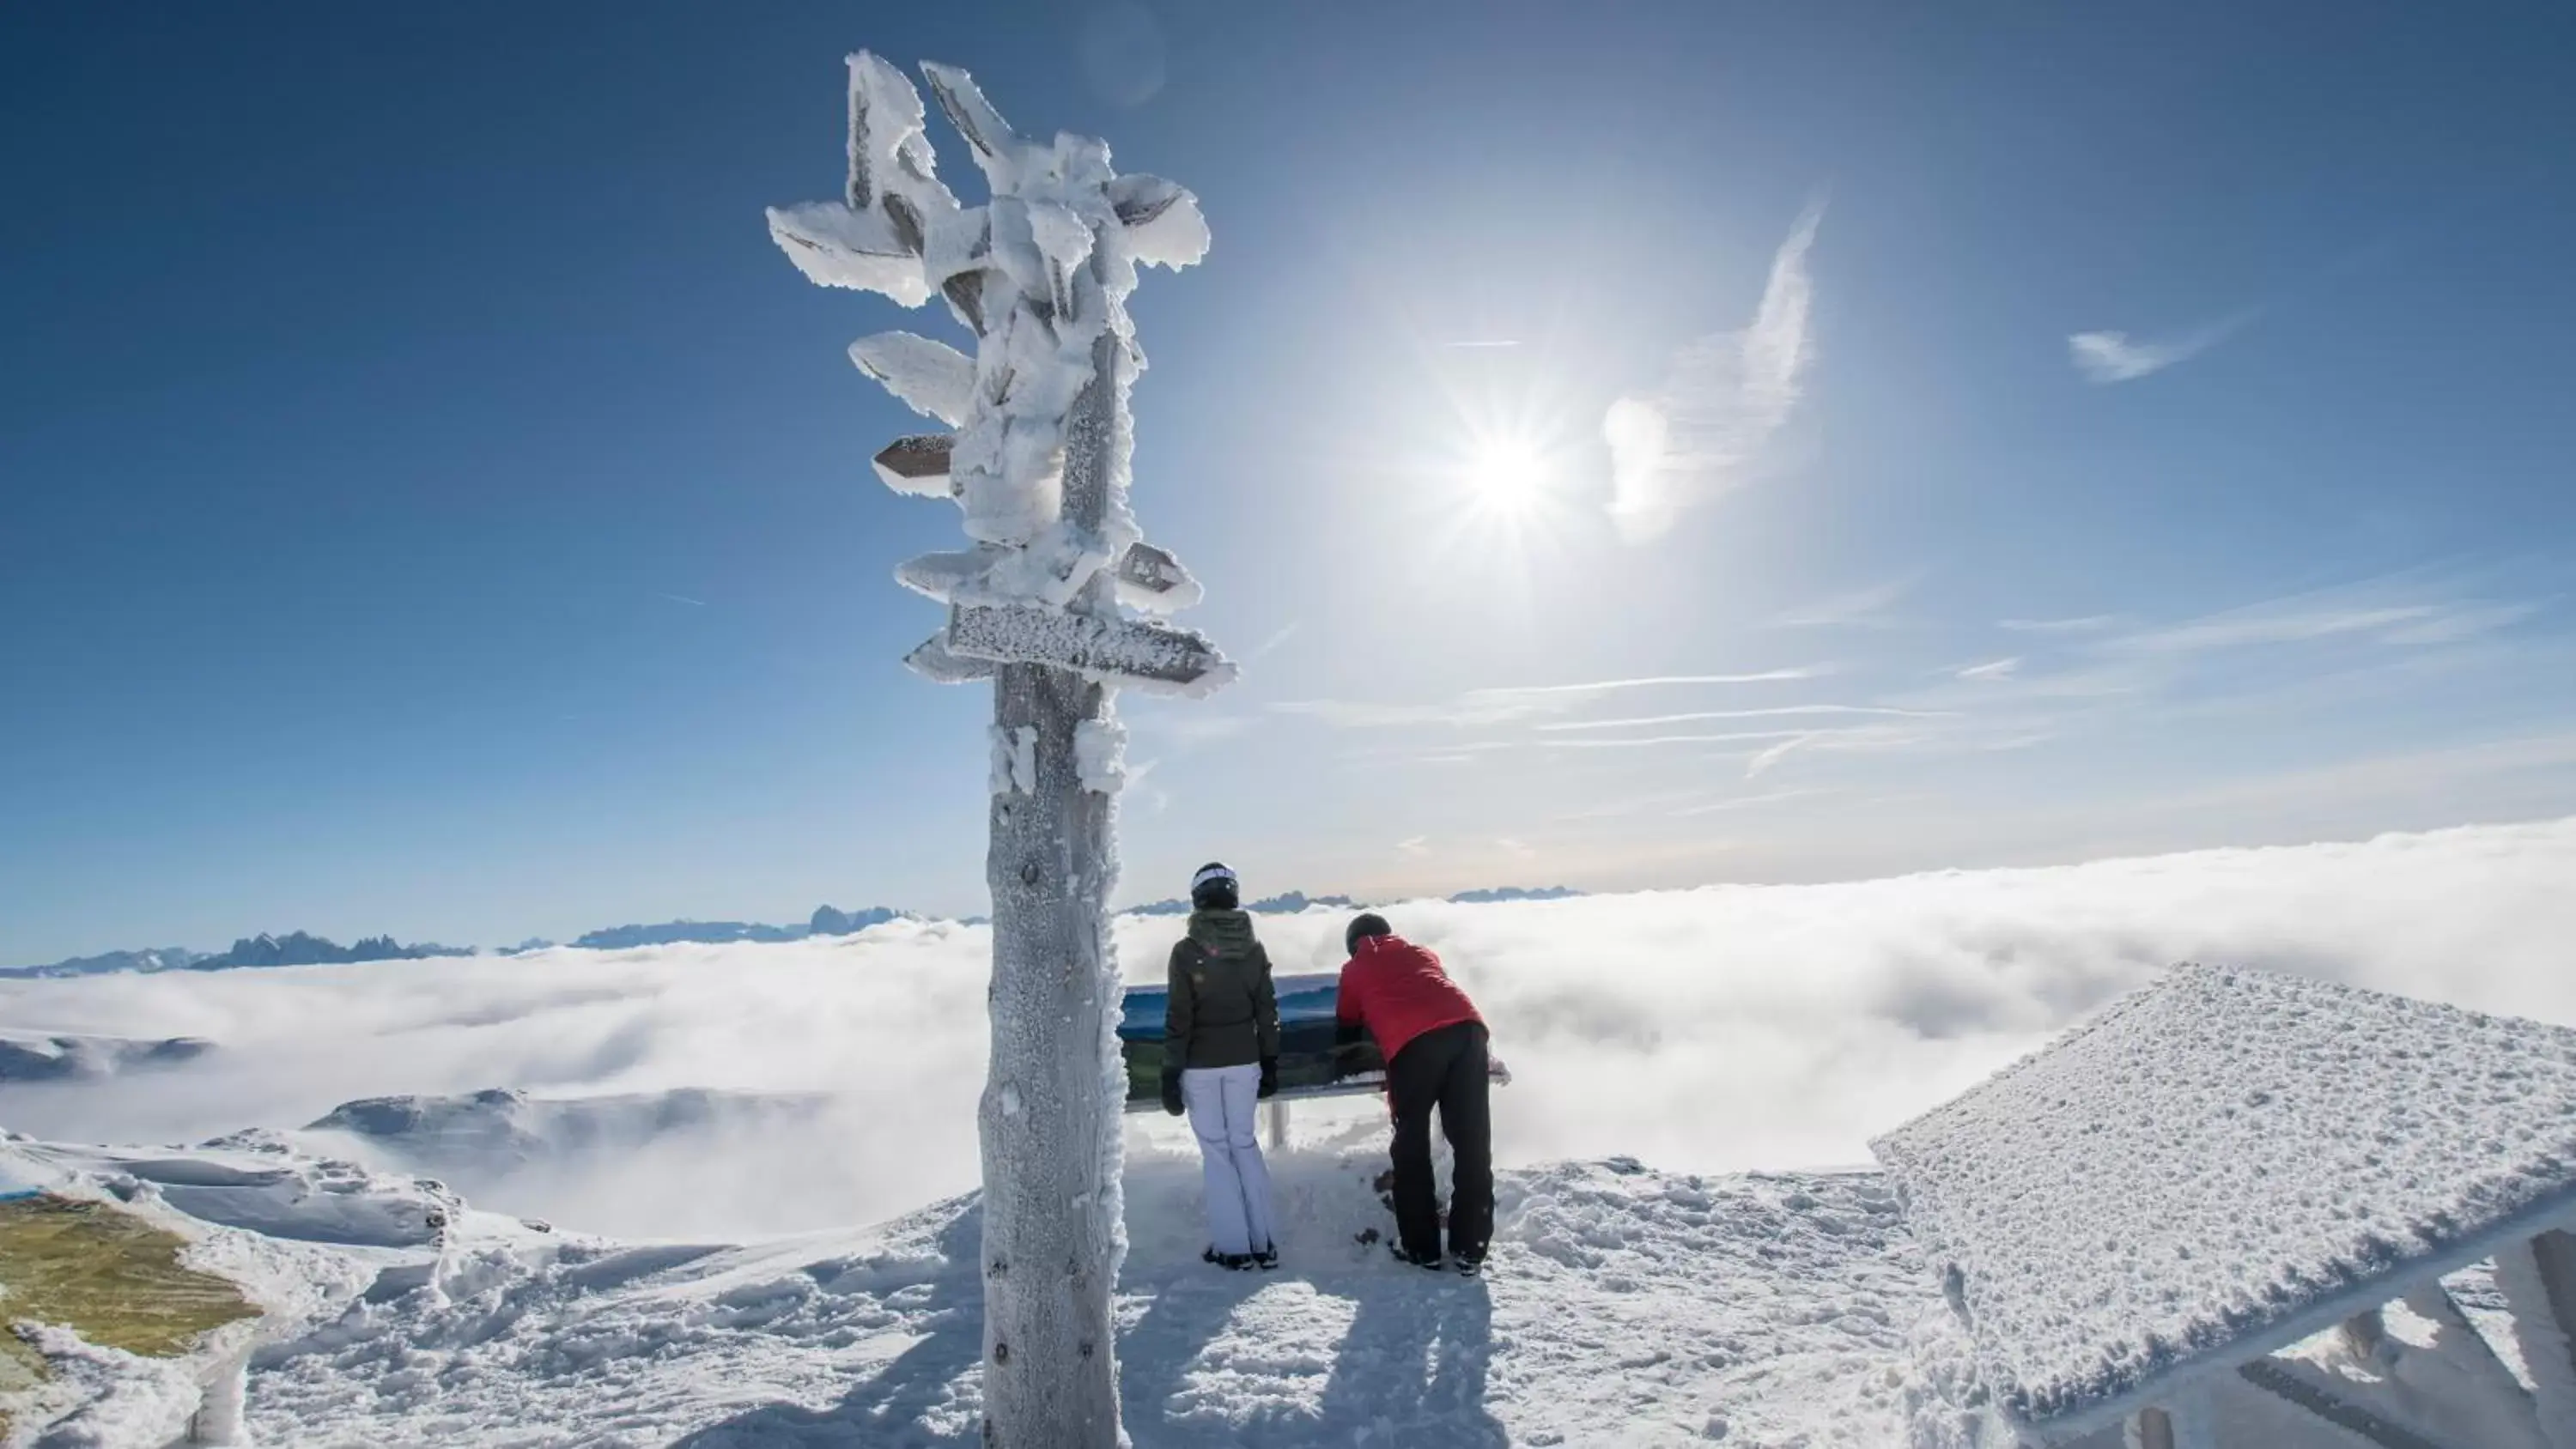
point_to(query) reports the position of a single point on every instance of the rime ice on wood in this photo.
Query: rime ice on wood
(1165, 660)
(1100, 756)
(2230, 1161)
(1038, 467)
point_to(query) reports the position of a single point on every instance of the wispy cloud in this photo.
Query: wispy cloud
(1417, 845)
(1742, 802)
(1869, 741)
(1278, 636)
(1153, 797)
(1696, 716)
(2267, 625)
(2467, 622)
(2108, 357)
(682, 599)
(1502, 704)
(2027, 739)
(1861, 607)
(2054, 681)
(2088, 624)
(1606, 686)
(1636, 742)
(1774, 755)
(2326, 615)
(1483, 343)
(1352, 714)
(1703, 430)
(1190, 726)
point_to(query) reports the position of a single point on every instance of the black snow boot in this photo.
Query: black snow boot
(1231, 1262)
(1418, 1260)
(1267, 1258)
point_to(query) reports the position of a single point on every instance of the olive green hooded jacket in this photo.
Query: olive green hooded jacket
(1222, 1011)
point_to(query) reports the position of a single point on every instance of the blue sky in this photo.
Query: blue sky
(429, 504)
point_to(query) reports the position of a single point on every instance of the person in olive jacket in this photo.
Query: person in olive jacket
(1220, 1054)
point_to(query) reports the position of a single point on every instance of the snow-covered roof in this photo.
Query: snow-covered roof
(2219, 1165)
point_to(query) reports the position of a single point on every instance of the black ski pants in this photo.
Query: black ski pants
(1444, 1068)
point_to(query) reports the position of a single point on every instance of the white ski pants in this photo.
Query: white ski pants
(1223, 1111)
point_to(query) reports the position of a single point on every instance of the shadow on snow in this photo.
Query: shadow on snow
(1411, 1369)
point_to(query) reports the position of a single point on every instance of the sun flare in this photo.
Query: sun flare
(1509, 475)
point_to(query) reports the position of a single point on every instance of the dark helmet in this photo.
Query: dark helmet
(1363, 926)
(1214, 888)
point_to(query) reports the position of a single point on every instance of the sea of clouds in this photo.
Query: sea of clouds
(770, 1088)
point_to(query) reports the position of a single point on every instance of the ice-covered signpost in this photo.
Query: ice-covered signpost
(1038, 463)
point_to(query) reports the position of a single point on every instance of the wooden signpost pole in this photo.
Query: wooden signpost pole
(1039, 275)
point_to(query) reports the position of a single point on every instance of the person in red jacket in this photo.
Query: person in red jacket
(1434, 1045)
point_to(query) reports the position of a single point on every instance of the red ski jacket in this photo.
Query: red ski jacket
(1397, 990)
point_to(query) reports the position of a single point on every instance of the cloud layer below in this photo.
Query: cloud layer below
(1716, 1029)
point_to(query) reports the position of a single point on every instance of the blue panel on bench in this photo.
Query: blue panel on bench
(1310, 1063)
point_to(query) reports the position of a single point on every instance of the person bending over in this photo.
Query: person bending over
(1434, 1045)
(1221, 1053)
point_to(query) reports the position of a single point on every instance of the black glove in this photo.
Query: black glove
(1269, 1076)
(1172, 1093)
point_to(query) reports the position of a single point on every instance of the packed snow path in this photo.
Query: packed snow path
(1622, 1304)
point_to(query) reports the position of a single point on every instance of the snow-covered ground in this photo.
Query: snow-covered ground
(1766, 1309)
(1744, 1285)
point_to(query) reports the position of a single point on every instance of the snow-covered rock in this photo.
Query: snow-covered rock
(256, 1183)
(504, 1145)
(2221, 1164)
(27, 1057)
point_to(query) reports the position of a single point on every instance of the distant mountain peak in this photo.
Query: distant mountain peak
(302, 948)
(1514, 893)
(826, 921)
(295, 948)
(1289, 903)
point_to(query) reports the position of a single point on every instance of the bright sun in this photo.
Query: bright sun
(1509, 475)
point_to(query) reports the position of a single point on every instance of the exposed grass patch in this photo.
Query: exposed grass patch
(107, 1275)
(21, 1368)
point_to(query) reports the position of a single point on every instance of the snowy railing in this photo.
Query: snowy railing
(2133, 1224)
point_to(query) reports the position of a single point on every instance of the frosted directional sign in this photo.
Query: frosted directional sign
(1124, 650)
(917, 464)
(1151, 578)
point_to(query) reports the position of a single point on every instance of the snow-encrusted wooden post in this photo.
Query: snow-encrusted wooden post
(1038, 463)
